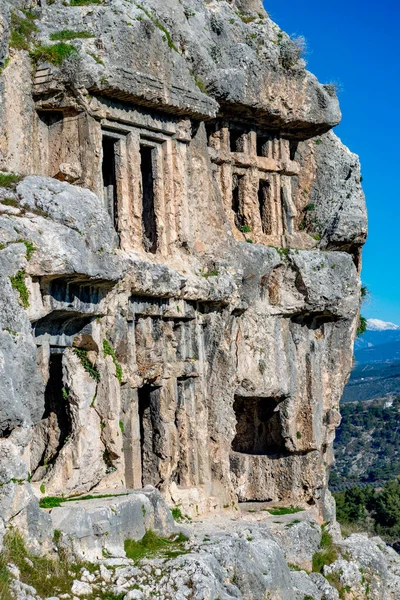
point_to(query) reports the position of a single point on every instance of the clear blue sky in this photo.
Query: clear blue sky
(356, 43)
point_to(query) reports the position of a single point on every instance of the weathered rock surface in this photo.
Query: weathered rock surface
(247, 556)
(99, 527)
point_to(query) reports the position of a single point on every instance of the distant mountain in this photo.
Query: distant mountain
(378, 333)
(378, 325)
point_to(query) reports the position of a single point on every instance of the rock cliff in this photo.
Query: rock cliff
(181, 239)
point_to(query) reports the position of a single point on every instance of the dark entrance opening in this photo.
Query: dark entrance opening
(237, 139)
(237, 202)
(293, 146)
(149, 433)
(50, 117)
(262, 145)
(264, 203)
(57, 411)
(109, 177)
(258, 427)
(149, 225)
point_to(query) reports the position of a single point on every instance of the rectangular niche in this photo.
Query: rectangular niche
(110, 176)
(149, 421)
(49, 142)
(113, 148)
(238, 182)
(263, 145)
(237, 140)
(264, 203)
(258, 426)
(148, 162)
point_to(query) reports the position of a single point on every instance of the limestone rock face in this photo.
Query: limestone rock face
(179, 258)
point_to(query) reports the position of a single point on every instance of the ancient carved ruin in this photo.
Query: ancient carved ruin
(192, 289)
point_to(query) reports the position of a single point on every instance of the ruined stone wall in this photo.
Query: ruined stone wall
(179, 262)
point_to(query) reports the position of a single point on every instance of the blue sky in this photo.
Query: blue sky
(356, 44)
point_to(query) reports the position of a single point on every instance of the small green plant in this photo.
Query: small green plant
(245, 18)
(68, 34)
(283, 253)
(18, 283)
(56, 501)
(9, 180)
(298, 435)
(200, 83)
(362, 325)
(5, 64)
(318, 142)
(42, 488)
(245, 229)
(122, 427)
(326, 555)
(310, 207)
(282, 510)
(22, 30)
(294, 567)
(86, 364)
(54, 54)
(64, 393)
(153, 545)
(177, 513)
(108, 350)
(30, 248)
(316, 236)
(213, 273)
(364, 291)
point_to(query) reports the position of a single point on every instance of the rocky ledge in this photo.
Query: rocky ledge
(260, 551)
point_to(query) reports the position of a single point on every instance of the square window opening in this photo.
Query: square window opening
(237, 139)
(262, 145)
(258, 426)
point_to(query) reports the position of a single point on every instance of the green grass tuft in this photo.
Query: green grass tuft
(55, 501)
(49, 576)
(22, 30)
(177, 513)
(30, 248)
(9, 180)
(68, 34)
(326, 555)
(362, 325)
(54, 54)
(153, 545)
(18, 283)
(282, 510)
